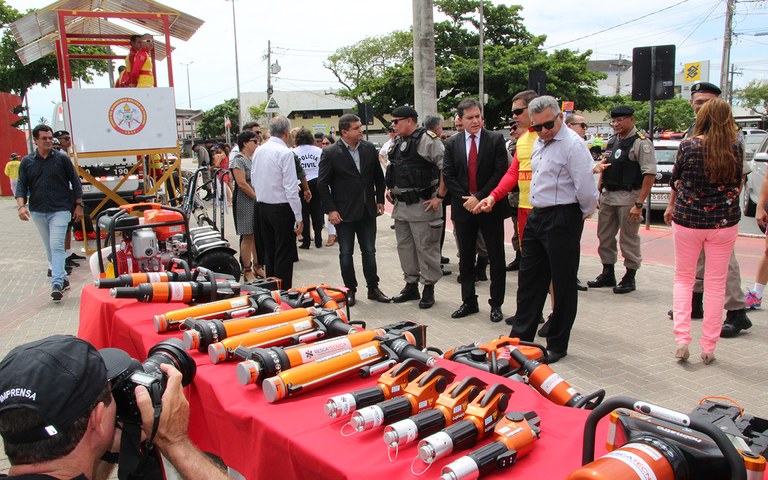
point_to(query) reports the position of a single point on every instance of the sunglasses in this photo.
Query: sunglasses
(148, 41)
(583, 125)
(326, 143)
(548, 125)
(519, 111)
(395, 121)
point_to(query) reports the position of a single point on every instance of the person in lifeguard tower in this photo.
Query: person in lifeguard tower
(139, 63)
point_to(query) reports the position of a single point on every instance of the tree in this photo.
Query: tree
(675, 114)
(18, 78)
(212, 122)
(380, 69)
(257, 112)
(754, 97)
(42, 121)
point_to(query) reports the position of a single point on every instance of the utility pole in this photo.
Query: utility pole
(481, 61)
(424, 81)
(189, 90)
(618, 77)
(730, 91)
(237, 70)
(727, 40)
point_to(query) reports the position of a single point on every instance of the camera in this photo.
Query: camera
(130, 373)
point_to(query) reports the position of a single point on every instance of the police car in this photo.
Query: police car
(666, 152)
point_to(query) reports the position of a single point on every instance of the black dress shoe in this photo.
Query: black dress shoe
(544, 330)
(580, 286)
(319, 242)
(409, 292)
(445, 272)
(427, 296)
(75, 256)
(351, 298)
(553, 356)
(304, 246)
(514, 265)
(464, 310)
(603, 280)
(444, 260)
(378, 295)
(70, 263)
(735, 322)
(496, 315)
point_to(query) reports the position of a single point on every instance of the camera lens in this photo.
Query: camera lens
(172, 352)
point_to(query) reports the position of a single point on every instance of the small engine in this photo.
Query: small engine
(140, 251)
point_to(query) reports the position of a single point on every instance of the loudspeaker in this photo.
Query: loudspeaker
(664, 71)
(537, 81)
(365, 112)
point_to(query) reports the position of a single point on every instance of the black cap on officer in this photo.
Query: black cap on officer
(705, 87)
(622, 111)
(405, 112)
(61, 133)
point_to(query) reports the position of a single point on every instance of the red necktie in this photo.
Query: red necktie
(472, 165)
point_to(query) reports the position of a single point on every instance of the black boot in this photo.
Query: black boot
(427, 296)
(697, 305)
(409, 292)
(735, 322)
(482, 263)
(627, 283)
(605, 279)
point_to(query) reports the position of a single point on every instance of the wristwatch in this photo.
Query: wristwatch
(639, 205)
(441, 197)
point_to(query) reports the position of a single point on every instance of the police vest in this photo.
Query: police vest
(407, 169)
(623, 174)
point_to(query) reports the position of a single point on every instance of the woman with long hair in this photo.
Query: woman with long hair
(704, 213)
(245, 206)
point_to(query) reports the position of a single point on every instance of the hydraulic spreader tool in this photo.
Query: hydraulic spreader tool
(514, 438)
(367, 359)
(493, 356)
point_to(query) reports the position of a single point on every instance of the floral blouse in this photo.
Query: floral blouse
(700, 203)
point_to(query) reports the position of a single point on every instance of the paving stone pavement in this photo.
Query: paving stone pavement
(622, 343)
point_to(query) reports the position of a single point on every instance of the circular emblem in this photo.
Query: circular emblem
(659, 176)
(403, 146)
(617, 153)
(127, 116)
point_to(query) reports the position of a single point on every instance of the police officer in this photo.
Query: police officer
(413, 182)
(625, 186)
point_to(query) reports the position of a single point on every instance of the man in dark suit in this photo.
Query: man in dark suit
(474, 162)
(351, 186)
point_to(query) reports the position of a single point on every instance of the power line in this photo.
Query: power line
(617, 26)
(699, 24)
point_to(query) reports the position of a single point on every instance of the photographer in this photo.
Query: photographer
(58, 415)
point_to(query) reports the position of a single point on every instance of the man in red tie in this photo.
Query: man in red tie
(473, 164)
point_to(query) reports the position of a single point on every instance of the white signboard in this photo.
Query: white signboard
(115, 119)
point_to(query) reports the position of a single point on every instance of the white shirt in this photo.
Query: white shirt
(562, 172)
(385, 148)
(233, 153)
(273, 175)
(309, 157)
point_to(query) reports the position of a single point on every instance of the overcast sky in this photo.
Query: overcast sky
(304, 32)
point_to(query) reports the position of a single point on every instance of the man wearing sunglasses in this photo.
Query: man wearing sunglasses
(562, 194)
(413, 179)
(625, 186)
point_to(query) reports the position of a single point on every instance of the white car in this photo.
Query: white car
(758, 164)
(666, 152)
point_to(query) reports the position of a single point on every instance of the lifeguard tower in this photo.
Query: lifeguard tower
(119, 135)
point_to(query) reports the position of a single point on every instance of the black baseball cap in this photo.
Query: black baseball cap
(61, 133)
(622, 111)
(319, 135)
(59, 377)
(705, 87)
(405, 112)
(15, 156)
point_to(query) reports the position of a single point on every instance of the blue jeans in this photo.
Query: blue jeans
(53, 227)
(366, 237)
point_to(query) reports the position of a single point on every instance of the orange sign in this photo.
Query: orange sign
(568, 106)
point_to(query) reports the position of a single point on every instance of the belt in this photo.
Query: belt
(622, 188)
(540, 210)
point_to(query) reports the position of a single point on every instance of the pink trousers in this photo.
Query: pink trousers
(718, 245)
